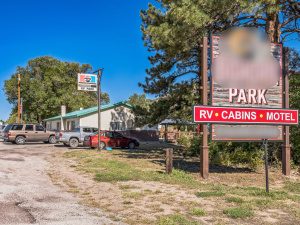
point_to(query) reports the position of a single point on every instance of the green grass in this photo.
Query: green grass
(293, 187)
(176, 220)
(126, 187)
(127, 202)
(197, 212)
(234, 199)
(133, 195)
(210, 194)
(236, 213)
(113, 171)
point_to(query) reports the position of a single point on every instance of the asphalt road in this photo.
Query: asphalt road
(27, 194)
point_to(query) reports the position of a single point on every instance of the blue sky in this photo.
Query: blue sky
(102, 33)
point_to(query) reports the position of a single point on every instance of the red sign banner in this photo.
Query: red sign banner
(232, 115)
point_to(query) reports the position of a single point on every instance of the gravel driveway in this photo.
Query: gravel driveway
(27, 194)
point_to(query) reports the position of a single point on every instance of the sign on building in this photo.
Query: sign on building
(249, 98)
(87, 82)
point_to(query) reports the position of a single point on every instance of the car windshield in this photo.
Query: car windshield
(94, 134)
(7, 128)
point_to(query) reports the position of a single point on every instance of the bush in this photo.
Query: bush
(228, 153)
(191, 144)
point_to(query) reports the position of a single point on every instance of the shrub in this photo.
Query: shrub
(191, 144)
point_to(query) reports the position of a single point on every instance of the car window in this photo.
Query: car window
(77, 129)
(108, 134)
(17, 127)
(7, 128)
(118, 134)
(39, 128)
(88, 130)
(29, 127)
(95, 130)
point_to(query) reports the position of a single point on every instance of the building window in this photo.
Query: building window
(73, 125)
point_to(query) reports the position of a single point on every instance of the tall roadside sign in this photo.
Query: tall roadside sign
(249, 92)
(92, 82)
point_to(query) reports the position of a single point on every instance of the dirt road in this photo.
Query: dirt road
(28, 196)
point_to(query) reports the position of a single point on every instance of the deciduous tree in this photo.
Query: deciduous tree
(46, 84)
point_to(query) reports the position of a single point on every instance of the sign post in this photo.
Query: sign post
(99, 71)
(91, 82)
(204, 148)
(265, 143)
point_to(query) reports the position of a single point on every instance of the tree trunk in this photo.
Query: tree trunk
(40, 119)
(273, 27)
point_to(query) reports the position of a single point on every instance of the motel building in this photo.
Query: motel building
(118, 116)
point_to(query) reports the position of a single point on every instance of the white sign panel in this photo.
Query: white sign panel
(87, 82)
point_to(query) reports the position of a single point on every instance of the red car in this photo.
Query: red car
(110, 139)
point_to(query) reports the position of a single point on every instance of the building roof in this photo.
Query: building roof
(84, 112)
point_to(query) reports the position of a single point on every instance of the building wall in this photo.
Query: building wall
(118, 118)
(109, 119)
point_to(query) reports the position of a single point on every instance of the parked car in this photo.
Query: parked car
(21, 133)
(110, 139)
(2, 131)
(73, 138)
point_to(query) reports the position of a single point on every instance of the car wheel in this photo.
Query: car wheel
(66, 144)
(102, 145)
(73, 143)
(52, 140)
(20, 140)
(131, 145)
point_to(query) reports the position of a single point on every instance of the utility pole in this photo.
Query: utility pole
(19, 79)
(99, 71)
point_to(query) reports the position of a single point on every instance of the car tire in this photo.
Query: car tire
(20, 140)
(52, 140)
(66, 144)
(102, 145)
(131, 145)
(73, 143)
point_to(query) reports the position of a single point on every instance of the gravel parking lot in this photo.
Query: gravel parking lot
(27, 194)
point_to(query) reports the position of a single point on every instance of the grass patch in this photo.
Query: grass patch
(73, 166)
(133, 195)
(234, 199)
(112, 171)
(127, 202)
(176, 220)
(110, 177)
(238, 213)
(197, 212)
(293, 187)
(158, 192)
(126, 187)
(209, 194)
